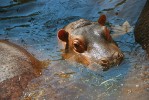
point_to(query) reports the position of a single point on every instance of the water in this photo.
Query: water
(33, 25)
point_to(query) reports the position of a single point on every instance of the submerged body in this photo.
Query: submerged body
(90, 42)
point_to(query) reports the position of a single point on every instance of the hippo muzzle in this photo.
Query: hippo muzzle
(90, 42)
(106, 55)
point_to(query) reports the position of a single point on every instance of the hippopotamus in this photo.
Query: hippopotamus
(90, 42)
(17, 68)
(141, 30)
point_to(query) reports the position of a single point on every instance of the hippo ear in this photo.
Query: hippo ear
(102, 20)
(62, 35)
(107, 34)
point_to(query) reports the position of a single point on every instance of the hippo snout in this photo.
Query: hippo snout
(115, 59)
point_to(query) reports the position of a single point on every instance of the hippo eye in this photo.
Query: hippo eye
(78, 46)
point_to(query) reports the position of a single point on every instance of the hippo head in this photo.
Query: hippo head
(90, 42)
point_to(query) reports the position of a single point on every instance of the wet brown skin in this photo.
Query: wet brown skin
(142, 28)
(17, 68)
(90, 42)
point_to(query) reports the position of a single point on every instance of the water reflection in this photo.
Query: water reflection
(33, 25)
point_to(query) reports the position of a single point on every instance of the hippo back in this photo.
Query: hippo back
(17, 68)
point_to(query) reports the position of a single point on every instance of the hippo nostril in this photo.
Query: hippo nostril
(105, 63)
(118, 55)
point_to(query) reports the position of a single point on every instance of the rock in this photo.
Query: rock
(141, 30)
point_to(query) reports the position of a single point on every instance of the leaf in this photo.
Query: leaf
(119, 30)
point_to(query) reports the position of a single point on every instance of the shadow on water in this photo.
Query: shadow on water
(118, 4)
(34, 24)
